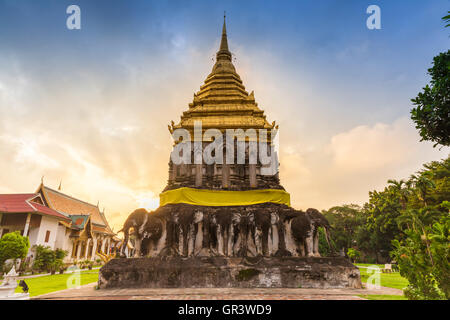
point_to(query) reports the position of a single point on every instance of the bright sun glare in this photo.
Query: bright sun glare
(147, 201)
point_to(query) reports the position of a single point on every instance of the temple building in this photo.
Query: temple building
(226, 222)
(51, 218)
(224, 208)
(222, 103)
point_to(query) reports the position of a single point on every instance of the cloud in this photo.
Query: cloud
(380, 146)
(96, 117)
(353, 162)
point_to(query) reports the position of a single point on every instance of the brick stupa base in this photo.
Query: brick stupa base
(226, 272)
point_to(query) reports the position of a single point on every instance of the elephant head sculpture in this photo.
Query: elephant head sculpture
(145, 225)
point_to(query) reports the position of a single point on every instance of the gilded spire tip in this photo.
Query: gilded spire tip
(224, 52)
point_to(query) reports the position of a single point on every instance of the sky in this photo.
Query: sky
(89, 108)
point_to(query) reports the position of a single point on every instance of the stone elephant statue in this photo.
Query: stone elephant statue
(305, 232)
(145, 225)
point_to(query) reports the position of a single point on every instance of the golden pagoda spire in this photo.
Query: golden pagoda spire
(222, 102)
(224, 53)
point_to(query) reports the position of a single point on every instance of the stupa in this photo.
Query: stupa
(226, 222)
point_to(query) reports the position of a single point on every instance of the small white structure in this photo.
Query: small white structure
(9, 285)
(387, 268)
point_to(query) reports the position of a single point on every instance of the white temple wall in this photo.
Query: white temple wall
(47, 224)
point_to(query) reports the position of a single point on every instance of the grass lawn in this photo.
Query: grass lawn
(56, 282)
(369, 264)
(390, 280)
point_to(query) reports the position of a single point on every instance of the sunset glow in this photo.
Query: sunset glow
(89, 108)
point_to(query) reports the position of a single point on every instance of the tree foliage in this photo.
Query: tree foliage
(345, 220)
(409, 222)
(447, 19)
(13, 246)
(432, 112)
(354, 254)
(423, 256)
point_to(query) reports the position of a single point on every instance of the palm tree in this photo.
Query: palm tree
(422, 183)
(447, 19)
(402, 192)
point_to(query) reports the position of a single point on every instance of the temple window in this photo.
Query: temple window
(47, 236)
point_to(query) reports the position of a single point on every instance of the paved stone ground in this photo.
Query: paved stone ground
(88, 292)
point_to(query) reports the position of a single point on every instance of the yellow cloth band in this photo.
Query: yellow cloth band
(204, 197)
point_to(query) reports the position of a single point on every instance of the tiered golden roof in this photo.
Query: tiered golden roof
(74, 207)
(222, 102)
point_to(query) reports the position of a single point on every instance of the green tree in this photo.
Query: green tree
(447, 19)
(382, 211)
(423, 256)
(402, 189)
(345, 221)
(431, 114)
(13, 246)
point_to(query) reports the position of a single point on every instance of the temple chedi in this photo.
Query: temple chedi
(223, 103)
(224, 219)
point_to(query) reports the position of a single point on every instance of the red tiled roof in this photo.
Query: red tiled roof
(46, 210)
(23, 203)
(15, 202)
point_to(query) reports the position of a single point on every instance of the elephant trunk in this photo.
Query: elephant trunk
(125, 239)
(328, 238)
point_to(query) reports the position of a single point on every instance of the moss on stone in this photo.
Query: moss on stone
(247, 274)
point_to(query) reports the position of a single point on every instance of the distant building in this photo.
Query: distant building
(52, 218)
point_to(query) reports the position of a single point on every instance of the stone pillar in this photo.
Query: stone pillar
(78, 250)
(27, 225)
(198, 160)
(252, 175)
(225, 175)
(94, 248)
(72, 253)
(172, 172)
(102, 248)
(86, 253)
(198, 175)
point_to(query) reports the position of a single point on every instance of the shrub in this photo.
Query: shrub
(13, 246)
(86, 264)
(354, 254)
(47, 259)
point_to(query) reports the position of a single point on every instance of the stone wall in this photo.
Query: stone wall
(211, 272)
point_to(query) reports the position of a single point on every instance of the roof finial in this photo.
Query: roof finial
(224, 53)
(42, 180)
(60, 183)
